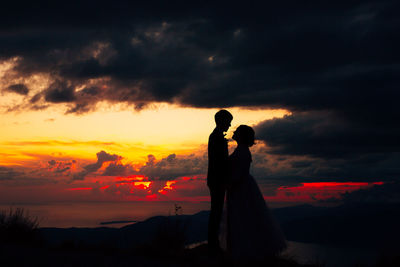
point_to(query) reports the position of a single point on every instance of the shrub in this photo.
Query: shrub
(17, 226)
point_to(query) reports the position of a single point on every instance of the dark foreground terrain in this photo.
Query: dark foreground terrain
(166, 241)
(80, 256)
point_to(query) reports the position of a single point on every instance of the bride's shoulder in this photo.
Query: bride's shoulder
(242, 153)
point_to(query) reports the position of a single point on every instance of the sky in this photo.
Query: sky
(115, 101)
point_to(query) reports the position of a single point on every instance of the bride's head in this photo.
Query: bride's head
(244, 135)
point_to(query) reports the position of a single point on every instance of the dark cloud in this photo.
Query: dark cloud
(321, 145)
(61, 167)
(7, 173)
(273, 170)
(168, 168)
(63, 170)
(102, 157)
(386, 193)
(19, 88)
(172, 167)
(59, 92)
(118, 169)
(324, 134)
(35, 98)
(301, 164)
(339, 56)
(22, 176)
(379, 193)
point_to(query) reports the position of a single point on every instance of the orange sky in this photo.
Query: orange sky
(45, 150)
(49, 153)
(161, 130)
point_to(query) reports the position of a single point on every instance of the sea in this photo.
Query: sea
(95, 214)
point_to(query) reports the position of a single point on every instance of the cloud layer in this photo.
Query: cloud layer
(336, 56)
(334, 65)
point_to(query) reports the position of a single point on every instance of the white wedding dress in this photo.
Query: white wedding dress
(249, 230)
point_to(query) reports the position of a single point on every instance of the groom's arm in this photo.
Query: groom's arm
(218, 158)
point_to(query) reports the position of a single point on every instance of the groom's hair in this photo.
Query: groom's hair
(223, 116)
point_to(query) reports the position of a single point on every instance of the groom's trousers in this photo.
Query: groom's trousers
(217, 194)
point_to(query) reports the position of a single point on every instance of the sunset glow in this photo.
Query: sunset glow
(132, 178)
(317, 191)
(174, 190)
(117, 161)
(167, 186)
(79, 188)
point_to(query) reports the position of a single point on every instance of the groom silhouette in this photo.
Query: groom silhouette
(217, 175)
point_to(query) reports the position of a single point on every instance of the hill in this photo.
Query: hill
(372, 225)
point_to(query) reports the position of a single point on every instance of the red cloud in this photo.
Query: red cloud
(312, 192)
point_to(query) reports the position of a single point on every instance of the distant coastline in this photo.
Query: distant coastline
(116, 222)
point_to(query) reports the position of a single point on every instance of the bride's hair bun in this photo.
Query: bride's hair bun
(244, 134)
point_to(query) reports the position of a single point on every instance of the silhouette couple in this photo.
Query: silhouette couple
(249, 231)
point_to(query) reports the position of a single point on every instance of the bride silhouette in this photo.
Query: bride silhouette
(249, 231)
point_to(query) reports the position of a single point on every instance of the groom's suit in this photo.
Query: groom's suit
(216, 180)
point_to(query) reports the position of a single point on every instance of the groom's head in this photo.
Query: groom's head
(223, 119)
